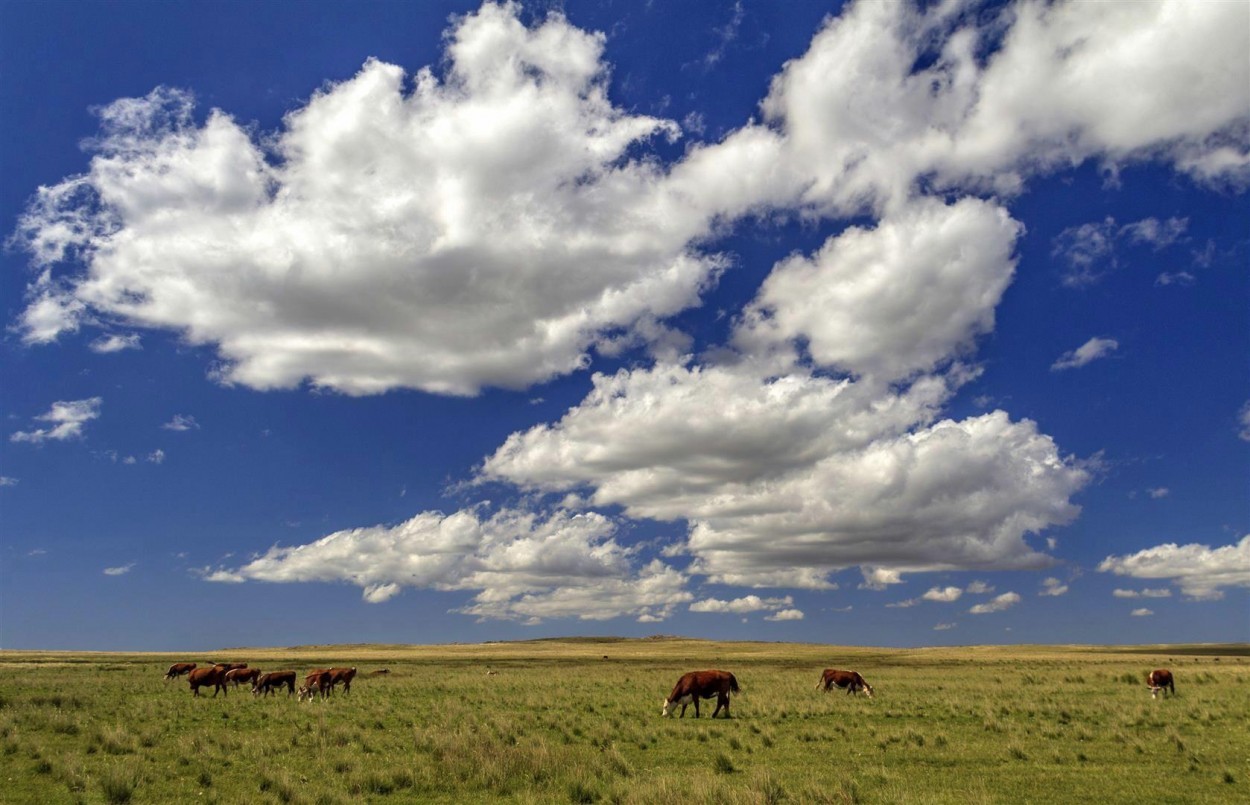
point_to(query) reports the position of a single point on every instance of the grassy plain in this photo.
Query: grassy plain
(579, 721)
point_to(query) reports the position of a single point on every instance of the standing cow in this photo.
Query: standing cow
(236, 675)
(266, 683)
(178, 669)
(205, 677)
(701, 685)
(851, 680)
(1160, 679)
(343, 675)
(317, 682)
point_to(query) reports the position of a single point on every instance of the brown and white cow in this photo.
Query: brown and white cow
(206, 677)
(266, 683)
(698, 685)
(178, 669)
(1160, 679)
(237, 675)
(851, 680)
(317, 682)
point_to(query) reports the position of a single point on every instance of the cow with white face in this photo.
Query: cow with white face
(1160, 679)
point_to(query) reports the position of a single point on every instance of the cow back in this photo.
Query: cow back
(704, 684)
(207, 676)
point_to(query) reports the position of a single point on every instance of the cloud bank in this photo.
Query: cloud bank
(519, 565)
(502, 221)
(1201, 572)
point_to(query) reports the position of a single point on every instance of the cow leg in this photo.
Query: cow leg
(696, 707)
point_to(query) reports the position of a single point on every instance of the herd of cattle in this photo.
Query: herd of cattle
(691, 688)
(318, 682)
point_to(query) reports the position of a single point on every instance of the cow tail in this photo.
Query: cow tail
(733, 683)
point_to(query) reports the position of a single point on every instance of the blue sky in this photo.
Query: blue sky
(347, 322)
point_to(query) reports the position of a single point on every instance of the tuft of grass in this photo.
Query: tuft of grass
(722, 764)
(582, 792)
(118, 785)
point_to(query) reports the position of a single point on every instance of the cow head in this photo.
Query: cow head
(667, 708)
(868, 689)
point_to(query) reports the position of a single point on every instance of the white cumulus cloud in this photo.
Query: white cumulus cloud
(1053, 587)
(996, 604)
(67, 418)
(115, 343)
(750, 603)
(1149, 592)
(181, 422)
(483, 228)
(1090, 351)
(1201, 572)
(520, 565)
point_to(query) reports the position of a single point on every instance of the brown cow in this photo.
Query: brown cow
(316, 682)
(851, 680)
(230, 666)
(1160, 680)
(237, 675)
(178, 669)
(344, 675)
(204, 677)
(266, 683)
(701, 685)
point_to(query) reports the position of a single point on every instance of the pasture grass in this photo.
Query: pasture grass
(579, 721)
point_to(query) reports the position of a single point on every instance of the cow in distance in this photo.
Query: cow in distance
(851, 680)
(179, 669)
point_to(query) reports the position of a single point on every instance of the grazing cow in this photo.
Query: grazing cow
(178, 669)
(701, 685)
(1160, 680)
(237, 675)
(317, 682)
(204, 677)
(851, 680)
(266, 683)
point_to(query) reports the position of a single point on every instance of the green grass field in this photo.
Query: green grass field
(579, 721)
